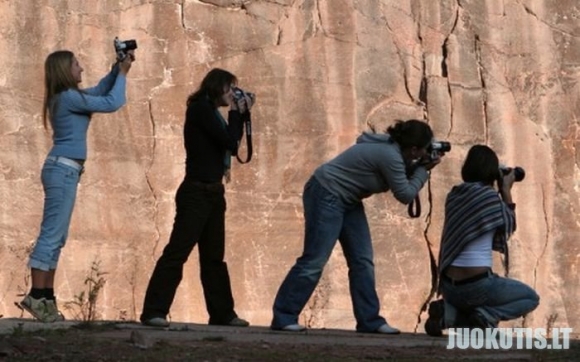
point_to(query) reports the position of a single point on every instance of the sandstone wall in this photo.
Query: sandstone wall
(499, 72)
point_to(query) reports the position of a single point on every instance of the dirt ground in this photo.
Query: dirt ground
(25, 340)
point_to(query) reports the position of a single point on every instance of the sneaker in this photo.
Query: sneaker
(434, 324)
(387, 329)
(38, 308)
(156, 322)
(53, 310)
(294, 328)
(477, 319)
(238, 322)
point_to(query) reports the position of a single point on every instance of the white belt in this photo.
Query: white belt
(66, 161)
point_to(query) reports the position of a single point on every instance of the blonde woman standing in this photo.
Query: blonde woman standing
(68, 109)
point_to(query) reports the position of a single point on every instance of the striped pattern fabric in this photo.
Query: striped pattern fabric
(471, 210)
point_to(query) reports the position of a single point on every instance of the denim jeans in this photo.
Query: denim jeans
(199, 220)
(495, 298)
(327, 219)
(60, 189)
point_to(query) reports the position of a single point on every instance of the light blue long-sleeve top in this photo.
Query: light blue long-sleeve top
(70, 121)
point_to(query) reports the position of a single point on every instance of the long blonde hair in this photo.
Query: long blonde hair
(57, 78)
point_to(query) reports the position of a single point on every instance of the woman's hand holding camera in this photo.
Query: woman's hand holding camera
(246, 103)
(431, 160)
(508, 180)
(505, 186)
(432, 163)
(125, 64)
(242, 101)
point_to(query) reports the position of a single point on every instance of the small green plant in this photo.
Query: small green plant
(18, 330)
(84, 304)
(550, 321)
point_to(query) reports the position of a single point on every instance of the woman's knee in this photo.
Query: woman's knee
(534, 299)
(310, 268)
(362, 266)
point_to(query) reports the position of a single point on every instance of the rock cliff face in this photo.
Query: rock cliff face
(499, 72)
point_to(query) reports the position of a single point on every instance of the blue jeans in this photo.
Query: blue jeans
(495, 298)
(327, 219)
(60, 188)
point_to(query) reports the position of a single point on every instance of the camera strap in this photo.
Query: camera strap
(248, 129)
(414, 208)
(416, 205)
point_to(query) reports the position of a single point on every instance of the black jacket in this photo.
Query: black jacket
(207, 139)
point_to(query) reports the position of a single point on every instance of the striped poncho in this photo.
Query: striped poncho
(471, 210)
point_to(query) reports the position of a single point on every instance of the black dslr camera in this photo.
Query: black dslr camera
(239, 94)
(434, 151)
(437, 148)
(519, 172)
(122, 47)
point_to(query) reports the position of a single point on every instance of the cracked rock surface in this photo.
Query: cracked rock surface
(499, 72)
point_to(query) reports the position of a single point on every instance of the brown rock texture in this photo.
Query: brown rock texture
(499, 72)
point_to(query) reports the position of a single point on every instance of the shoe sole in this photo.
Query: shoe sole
(238, 322)
(392, 331)
(156, 325)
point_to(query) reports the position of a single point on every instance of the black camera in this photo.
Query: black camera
(437, 148)
(122, 47)
(239, 94)
(519, 172)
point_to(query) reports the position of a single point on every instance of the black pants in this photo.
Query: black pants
(199, 219)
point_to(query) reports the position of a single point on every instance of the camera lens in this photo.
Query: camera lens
(519, 173)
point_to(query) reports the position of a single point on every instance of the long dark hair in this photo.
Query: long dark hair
(411, 133)
(212, 86)
(57, 78)
(481, 165)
